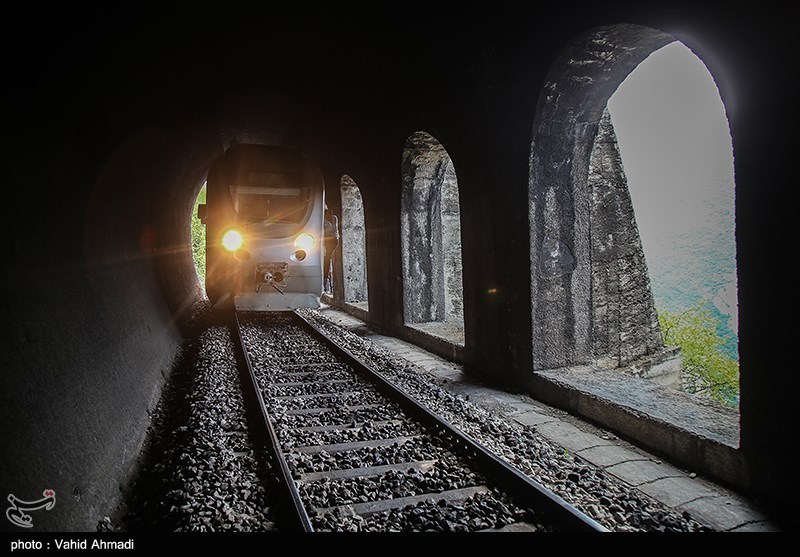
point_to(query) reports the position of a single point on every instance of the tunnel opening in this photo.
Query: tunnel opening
(433, 301)
(598, 347)
(354, 245)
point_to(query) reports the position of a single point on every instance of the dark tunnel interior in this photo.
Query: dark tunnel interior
(115, 112)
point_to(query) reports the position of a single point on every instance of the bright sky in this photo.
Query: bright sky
(676, 149)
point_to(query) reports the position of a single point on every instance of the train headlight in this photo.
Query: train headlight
(232, 240)
(304, 242)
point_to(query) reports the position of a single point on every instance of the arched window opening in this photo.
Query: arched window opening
(599, 290)
(354, 245)
(675, 145)
(431, 240)
(198, 235)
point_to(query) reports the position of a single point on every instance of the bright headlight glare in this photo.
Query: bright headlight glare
(304, 241)
(232, 240)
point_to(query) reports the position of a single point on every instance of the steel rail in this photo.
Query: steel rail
(521, 486)
(300, 519)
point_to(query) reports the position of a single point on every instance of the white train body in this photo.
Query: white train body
(264, 239)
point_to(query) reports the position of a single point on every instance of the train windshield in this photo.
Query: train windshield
(276, 204)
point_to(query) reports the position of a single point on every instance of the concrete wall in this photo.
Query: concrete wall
(90, 330)
(117, 114)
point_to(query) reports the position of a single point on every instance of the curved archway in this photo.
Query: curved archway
(431, 240)
(592, 300)
(591, 294)
(354, 244)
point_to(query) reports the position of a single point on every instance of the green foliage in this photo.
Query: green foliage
(199, 239)
(706, 369)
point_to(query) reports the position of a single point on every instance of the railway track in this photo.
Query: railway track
(355, 453)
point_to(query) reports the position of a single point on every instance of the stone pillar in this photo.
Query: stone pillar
(624, 320)
(353, 242)
(451, 246)
(423, 168)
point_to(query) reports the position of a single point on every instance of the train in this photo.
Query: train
(264, 217)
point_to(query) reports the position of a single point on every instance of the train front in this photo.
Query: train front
(265, 227)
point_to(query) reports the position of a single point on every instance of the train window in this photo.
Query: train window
(273, 204)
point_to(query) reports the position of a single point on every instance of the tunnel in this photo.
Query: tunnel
(114, 115)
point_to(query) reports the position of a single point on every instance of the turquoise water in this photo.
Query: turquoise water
(698, 265)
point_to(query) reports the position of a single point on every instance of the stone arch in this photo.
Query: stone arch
(354, 244)
(565, 306)
(431, 239)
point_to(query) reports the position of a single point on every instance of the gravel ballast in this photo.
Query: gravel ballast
(199, 471)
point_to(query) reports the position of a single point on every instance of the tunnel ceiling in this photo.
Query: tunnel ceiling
(138, 63)
(342, 63)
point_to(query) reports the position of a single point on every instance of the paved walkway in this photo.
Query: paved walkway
(706, 502)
